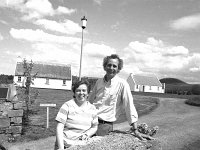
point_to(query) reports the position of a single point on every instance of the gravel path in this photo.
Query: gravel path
(179, 124)
(179, 127)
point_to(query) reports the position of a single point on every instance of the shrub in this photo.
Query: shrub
(6, 79)
(196, 89)
(195, 101)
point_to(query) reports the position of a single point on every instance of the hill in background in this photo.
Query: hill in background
(172, 81)
(176, 86)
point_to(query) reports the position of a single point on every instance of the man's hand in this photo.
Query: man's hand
(84, 137)
(138, 135)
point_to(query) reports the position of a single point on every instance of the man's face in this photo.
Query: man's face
(112, 67)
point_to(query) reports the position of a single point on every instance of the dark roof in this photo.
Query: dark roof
(55, 71)
(146, 80)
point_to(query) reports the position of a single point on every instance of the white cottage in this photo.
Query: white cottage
(51, 76)
(143, 83)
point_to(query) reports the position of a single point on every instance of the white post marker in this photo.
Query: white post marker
(48, 105)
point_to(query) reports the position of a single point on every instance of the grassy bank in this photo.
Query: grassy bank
(144, 102)
(37, 124)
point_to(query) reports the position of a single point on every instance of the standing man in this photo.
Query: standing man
(110, 94)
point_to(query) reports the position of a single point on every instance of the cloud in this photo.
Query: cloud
(65, 50)
(11, 3)
(195, 69)
(157, 46)
(186, 23)
(64, 10)
(41, 36)
(115, 26)
(64, 54)
(3, 22)
(154, 56)
(194, 65)
(97, 50)
(41, 8)
(99, 2)
(1, 37)
(66, 27)
(54, 53)
(32, 9)
(92, 62)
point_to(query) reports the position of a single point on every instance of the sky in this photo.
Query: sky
(153, 37)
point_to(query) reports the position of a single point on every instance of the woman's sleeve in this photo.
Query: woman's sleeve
(94, 123)
(62, 114)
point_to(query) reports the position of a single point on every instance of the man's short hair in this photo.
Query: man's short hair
(113, 56)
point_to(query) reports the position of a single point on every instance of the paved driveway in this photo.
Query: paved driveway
(179, 124)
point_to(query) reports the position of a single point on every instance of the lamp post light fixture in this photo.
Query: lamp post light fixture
(84, 22)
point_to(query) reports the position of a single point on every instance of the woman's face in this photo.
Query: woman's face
(81, 93)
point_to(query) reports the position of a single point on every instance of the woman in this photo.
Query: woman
(77, 118)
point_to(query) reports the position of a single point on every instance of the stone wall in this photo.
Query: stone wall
(11, 113)
(118, 140)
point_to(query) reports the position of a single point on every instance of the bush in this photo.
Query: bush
(6, 79)
(196, 89)
(195, 101)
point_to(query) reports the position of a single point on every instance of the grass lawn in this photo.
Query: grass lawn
(36, 129)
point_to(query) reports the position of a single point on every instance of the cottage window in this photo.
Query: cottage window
(158, 88)
(32, 81)
(149, 87)
(163, 86)
(137, 86)
(47, 81)
(64, 82)
(19, 79)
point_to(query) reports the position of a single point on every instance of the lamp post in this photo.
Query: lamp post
(84, 22)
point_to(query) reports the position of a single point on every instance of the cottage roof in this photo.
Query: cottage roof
(146, 80)
(55, 71)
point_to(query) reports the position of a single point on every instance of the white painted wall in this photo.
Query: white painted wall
(153, 89)
(41, 83)
(133, 87)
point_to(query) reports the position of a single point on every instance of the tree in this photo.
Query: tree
(28, 66)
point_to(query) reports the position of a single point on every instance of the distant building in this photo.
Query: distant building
(51, 76)
(143, 83)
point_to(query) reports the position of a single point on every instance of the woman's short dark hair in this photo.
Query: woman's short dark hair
(78, 83)
(113, 56)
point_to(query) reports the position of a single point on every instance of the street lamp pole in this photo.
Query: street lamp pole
(84, 21)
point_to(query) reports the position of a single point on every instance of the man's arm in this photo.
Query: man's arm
(129, 106)
(130, 109)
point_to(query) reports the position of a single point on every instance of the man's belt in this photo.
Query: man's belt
(104, 122)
